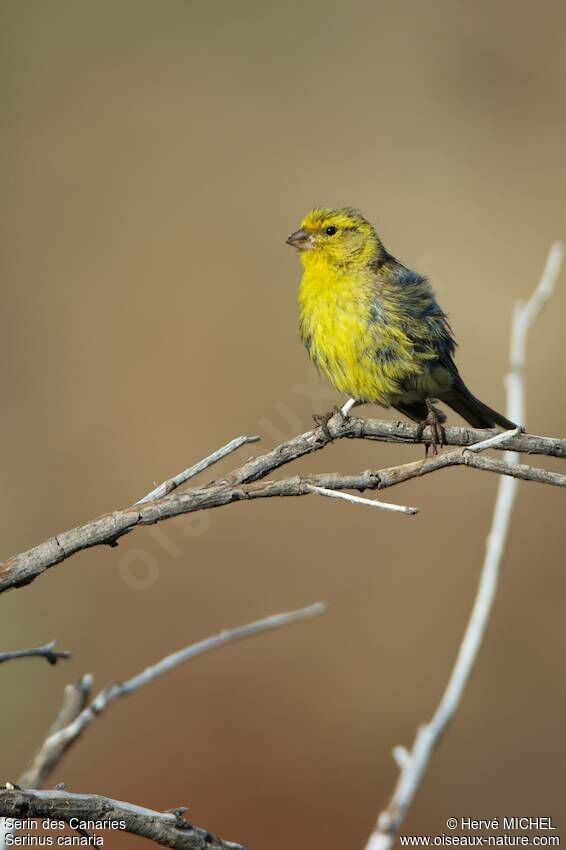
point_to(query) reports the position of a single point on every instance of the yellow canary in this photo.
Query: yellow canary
(373, 326)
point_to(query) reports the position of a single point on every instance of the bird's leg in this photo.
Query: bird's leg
(346, 408)
(322, 419)
(434, 419)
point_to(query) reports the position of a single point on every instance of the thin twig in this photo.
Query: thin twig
(413, 764)
(48, 651)
(60, 738)
(496, 442)
(359, 500)
(172, 483)
(166, 828)
(75, 698)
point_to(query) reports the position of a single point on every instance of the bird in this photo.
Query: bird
(374, 328)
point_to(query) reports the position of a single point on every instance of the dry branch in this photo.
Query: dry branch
(246, 482)
(47, 651)
(62, 736)
(77, 714)
(166, 828)
(413, 764)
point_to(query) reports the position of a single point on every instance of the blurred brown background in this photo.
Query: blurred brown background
(155, 157)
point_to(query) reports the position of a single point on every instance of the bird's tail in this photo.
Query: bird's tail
(474, 411)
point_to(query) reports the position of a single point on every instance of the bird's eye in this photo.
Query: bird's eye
(331, 230)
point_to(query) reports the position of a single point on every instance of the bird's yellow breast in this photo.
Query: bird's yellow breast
(337, 328)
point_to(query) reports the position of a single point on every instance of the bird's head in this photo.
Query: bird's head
(338, 237)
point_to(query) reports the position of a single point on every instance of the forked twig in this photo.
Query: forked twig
(248, 481)
(61, 737)
(413, 763)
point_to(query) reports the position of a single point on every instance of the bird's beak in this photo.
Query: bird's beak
(302, 240)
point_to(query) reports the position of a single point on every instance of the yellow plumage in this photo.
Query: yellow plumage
(337, 327)
(372, 326)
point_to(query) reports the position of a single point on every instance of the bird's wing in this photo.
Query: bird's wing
(409, 301)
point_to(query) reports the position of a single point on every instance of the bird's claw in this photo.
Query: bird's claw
(322, 420)
(437, 432)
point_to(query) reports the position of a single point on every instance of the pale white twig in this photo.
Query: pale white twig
(494, 442)
(414, 764)
(401, 756)
(524, 318)
(172, 483)
(359, 500)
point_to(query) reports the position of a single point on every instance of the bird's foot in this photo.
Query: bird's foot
(322, 420)
(434, 421)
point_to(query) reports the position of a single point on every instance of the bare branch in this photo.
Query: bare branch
(47, 651)
(61, 737)
(27, 566)
(413, 764)
(166, 828)
(75, 715)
